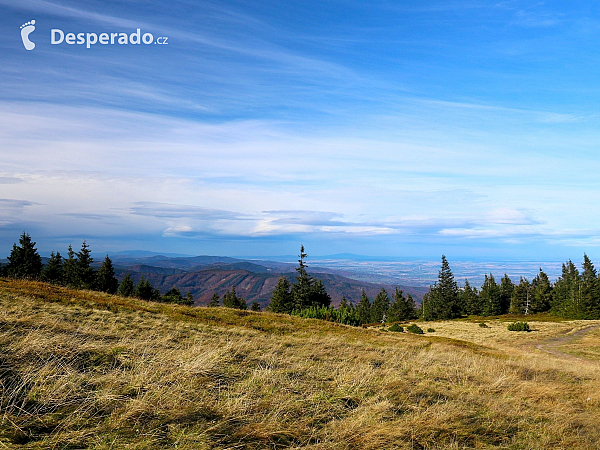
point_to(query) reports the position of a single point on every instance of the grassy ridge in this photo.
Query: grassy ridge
(88, 370)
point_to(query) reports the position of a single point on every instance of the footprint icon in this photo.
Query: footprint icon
(26, 30)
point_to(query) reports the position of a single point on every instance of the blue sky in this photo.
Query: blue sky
(404, 129)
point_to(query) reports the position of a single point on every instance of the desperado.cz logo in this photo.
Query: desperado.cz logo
(58, 37)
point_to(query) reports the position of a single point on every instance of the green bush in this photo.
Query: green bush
(519, 326)
(430, 330)
(413, 328)
(397, 328)
(483, 325)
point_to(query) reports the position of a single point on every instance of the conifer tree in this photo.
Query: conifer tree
(490, 297)
(344, 303)
(214, 301)
(402, 308)
(105, 278)
(189, 299)
(255, 307)
(85, 272)
(145, 291)
(470, 301)
(380, 307)
(318, 295)
(231, 300)
(506, 291)
(24, 260)
(442, 301)
(542, 293)
(566, 295)
(126, 288)
(71, 276)
(521, 298)
(53, 272)
(363, 309)
(282, 300)
(302, 289)
(590, 289)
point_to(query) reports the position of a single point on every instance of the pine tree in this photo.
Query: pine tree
(255, 307)
(490, 297)
(105, 278)
(54, 272)
(506, 292)
(282, 300)
(402, 308)
(85, 272)
(214, 301)
(302, 289)
(71, 276)
(126, 288)
(318, 295)
(363, 309)
(380, 307)
(442, 301)
(145, 291)
(567, 293)
(344, 303)
(470, 301)
(521, 298)
(24, 260)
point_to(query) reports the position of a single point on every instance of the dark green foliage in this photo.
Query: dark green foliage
(189, 299)
(174, 296)
(521, 298)
(255, 307)
(145, 291)
(442, 301)
(126, 288)
(590, 289)
(542, 293)
(575, 295)
(86, 276)
(24, 260)
(490, 297)
(518, 326)
(402, 308)
(282, 300)
(430, 330)
(380, 307)
(346, 316)
(414, 328)
(105, 278)
(470, 301)
(54, 271)
(363, 309)
(307, 292)
(214, 301)
(483, 325)
(507, 288)
(71, 277)
(397, 328)
(231, 300)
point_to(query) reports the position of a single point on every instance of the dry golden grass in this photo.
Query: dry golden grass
(87, 370)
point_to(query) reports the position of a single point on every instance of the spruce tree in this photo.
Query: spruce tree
(214, 301)
(126, 288)
(380, 307)
(318, 295)
(105, 278)
(521, 298)
(24, 260)
(255, 307)
(145, 291)
(542, 293)
(506, 291)
(363, 309)
(85, 271)
(282, 300)
(231, 300)
(470, 301)
(590, 289)
(302, 289)
(490, 297)
(54, 272)
(402, 308)
(71, 276)
(442, 301)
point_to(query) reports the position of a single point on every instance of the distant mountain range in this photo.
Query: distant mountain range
(254, 280)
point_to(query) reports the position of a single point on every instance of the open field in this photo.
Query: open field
(88, 370)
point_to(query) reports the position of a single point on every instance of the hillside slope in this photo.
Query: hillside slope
(88, 370)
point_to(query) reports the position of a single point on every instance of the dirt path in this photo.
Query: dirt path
(550, 345)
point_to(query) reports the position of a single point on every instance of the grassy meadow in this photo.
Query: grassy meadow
(83, 369)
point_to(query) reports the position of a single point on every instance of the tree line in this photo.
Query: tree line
(575, 295)
(76, 271)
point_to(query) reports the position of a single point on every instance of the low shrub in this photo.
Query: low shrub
(413, 328)
(483, 325)
(396, 328)
(430, 330)
(519, 326)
